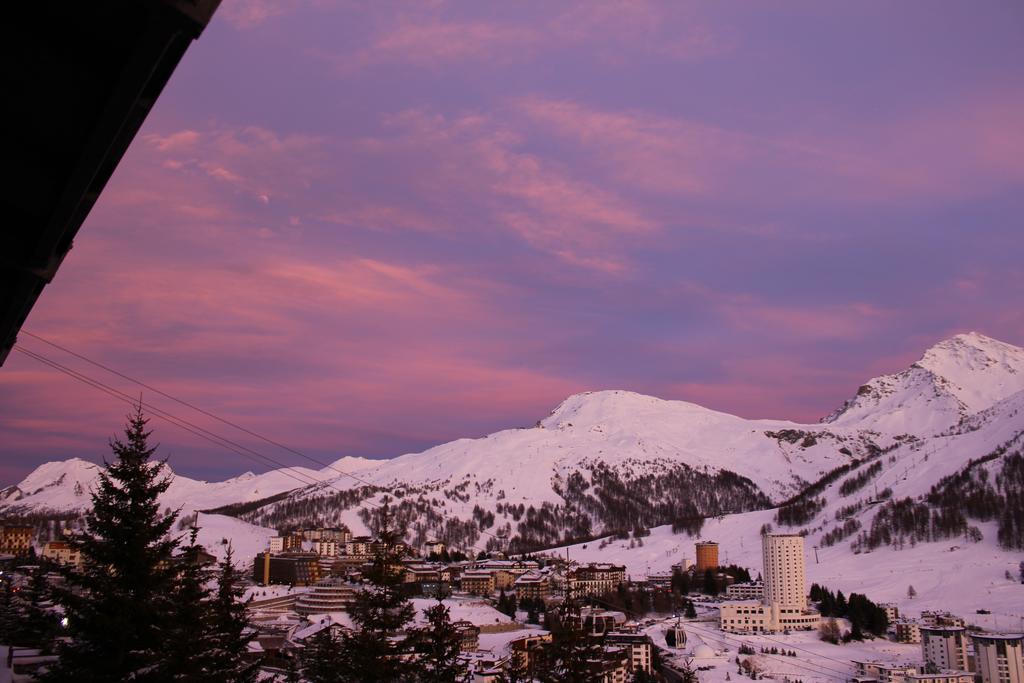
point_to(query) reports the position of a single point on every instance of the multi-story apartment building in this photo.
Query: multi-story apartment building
(707, 556)
(325, 548)
(885, 672)
(293, 569)
(784, 582)
(525, 650)
(908, 631)
(533, 585)
(595, 579)
(784, 605)
(941, 619)
(418, 573)
(944, 647)
(358, 545)
(469, 635)
(662, 580)
(62, 552)
(15, 540)
(999, 657)
(434, 548)
(892, 612)
(638, 647)
(503, 579)
(889, 672)
(753, 590)
(335, 534)
(940, 677)
(477, 582)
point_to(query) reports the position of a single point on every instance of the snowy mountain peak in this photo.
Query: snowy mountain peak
(612, 406)
(349, 463)
(955, 378)
(978, 370)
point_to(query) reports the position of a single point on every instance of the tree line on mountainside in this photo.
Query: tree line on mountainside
(985, 489)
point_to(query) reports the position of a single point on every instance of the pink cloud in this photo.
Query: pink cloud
(433, 35)
(961, 151)
(535, 198)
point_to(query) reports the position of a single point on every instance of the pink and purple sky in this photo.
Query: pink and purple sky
(368, 228)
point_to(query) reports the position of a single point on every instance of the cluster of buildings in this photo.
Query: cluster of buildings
(952, 654)
(320, 571)
(307, 557)
(778, 602)
(303, 557)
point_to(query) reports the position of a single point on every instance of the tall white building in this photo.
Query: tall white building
(944, 647)
(999, 658)
(784, 582)
(784, 606)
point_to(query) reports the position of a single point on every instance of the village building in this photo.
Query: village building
(908, 631)
(524, 651)
(15, 539)
(891, 672)
(753, 590)
(884, 672)
(325, 548)
(62, 552)
(595, 580)
(293, 569)
(339, 536)
(784, 604)
(892, 612)
(469, 635)
(328, 595)
(999, 657)
(941, 619)
(663, 581)
(707, 556)
(358, 546)
(944, 647)
(533, 585)
(434, 548)
(477, 582)
(638, 647)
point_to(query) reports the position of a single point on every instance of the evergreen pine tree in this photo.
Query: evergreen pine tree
(570, 655)
(185, 632)
(115, 604)
(438, 645)
(230, 628)
(9, 617)
(379, 611)
(322, 657)
(38, 625)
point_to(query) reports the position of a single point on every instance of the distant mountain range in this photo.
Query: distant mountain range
(616, 461)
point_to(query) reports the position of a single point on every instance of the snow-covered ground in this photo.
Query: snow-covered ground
(473, 610)
(217, 531)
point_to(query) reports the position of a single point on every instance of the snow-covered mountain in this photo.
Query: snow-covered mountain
(64, 486)
(616, 460)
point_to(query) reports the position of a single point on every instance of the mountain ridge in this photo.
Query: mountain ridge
(570, 464)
